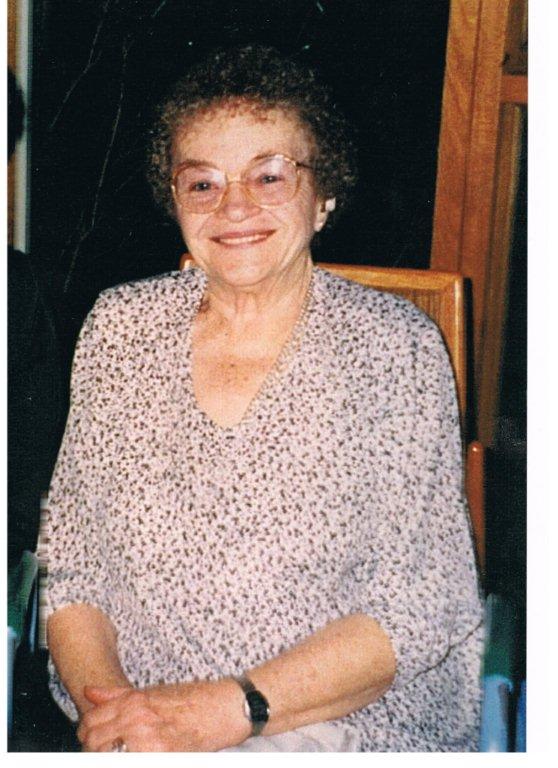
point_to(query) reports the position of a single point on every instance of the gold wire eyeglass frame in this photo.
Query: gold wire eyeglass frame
(240, 180)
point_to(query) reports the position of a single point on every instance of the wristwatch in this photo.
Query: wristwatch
(256, 706)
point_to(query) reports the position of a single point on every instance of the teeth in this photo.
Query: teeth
(241, 240)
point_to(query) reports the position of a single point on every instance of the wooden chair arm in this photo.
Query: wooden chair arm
(475, 490)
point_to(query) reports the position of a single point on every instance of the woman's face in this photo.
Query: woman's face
(241, 244)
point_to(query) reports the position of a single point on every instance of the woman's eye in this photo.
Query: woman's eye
(200, 186)
(269, 178)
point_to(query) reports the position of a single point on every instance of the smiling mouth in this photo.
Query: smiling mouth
(233, 239)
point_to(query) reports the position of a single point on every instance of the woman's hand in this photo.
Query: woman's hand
(190, 717)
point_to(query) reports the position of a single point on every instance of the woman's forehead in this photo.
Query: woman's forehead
(228, 134)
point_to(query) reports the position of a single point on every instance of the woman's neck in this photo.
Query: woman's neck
(279, 297)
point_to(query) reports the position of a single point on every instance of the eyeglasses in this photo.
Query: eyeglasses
(269, 181)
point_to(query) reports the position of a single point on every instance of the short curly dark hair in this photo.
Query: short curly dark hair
(257, 75)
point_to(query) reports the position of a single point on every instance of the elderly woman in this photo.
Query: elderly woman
(258, 536)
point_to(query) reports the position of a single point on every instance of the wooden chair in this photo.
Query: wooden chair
(441, 296)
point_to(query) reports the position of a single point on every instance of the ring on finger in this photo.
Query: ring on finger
(119, 745)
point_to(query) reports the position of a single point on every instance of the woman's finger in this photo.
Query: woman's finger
(121, 718)
(100, 739)
(98, 717)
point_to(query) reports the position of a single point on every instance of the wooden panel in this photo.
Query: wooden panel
(439, 294)
(453, 147)
(496, 286)
(481, 170)
(514, 89)
(515, 60)
(12, 33)
(468, 159)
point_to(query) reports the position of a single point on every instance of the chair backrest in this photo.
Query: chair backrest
(439, 294)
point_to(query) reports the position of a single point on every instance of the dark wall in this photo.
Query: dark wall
(100, 66)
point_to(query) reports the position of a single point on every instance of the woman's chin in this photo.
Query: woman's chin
(243, 267)
(241, 271)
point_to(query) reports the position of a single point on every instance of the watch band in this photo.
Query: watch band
(256, 706)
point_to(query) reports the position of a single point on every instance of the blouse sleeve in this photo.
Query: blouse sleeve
(74, 547)
(424, 591)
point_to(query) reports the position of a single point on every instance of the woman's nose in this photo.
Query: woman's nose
(236, 203)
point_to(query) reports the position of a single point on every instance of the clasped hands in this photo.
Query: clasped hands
(202, 716)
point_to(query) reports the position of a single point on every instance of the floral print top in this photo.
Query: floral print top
(213, 549)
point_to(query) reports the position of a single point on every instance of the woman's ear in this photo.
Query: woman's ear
(325, 207)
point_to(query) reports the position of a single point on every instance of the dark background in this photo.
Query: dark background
(100, 67)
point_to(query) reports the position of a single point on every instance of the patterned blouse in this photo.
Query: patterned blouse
(214, 549)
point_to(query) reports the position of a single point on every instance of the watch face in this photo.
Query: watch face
(258, 707)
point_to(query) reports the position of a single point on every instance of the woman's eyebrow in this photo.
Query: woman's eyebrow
(191, 163)
(275, 153)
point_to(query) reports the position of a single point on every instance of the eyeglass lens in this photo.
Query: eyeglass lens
(271, 181)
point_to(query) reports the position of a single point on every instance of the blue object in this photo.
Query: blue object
(520, 720)
(497, 691)
(497, 675)
(12, 647)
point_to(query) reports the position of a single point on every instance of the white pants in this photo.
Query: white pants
(321, 737)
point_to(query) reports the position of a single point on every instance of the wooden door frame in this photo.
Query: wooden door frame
(478, 160)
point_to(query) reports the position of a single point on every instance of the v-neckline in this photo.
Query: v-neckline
(280, 364)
